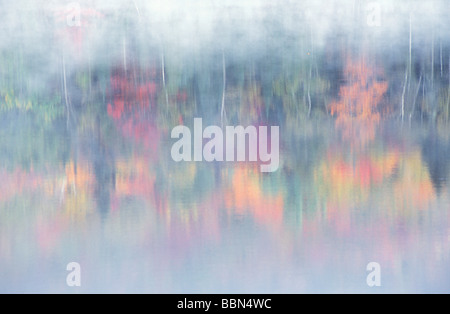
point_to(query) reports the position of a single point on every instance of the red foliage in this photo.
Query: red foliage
(133, 108)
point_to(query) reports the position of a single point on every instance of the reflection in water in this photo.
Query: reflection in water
(86, 173)
(436, 153)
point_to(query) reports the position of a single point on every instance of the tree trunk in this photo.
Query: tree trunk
(410, 48)
(415, 98)
(403, 95)
(65, 90)
(222, 112)
(163, 70)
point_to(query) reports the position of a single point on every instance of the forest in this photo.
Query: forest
(89, 94)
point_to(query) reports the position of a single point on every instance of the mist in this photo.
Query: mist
(90, 92)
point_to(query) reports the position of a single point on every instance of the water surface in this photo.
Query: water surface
(86, 173)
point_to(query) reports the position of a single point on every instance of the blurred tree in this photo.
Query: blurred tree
(357, 113)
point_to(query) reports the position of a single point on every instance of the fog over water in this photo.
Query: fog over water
(91, 90)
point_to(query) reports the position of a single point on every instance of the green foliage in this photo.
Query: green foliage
(12, 102)
(82, 79)
(45, 109)
(297, 84)
(27, 142)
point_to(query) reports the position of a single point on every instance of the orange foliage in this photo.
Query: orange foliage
(349, 181)
(18, 182)
(415, 189)
(357, 113)
(133, 177)
(78, 175)
(246, 196)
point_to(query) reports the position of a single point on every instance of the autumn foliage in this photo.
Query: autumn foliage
(133, 107)
(246, 196)
(357, 111)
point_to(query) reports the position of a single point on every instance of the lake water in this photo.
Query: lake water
(86, 173)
